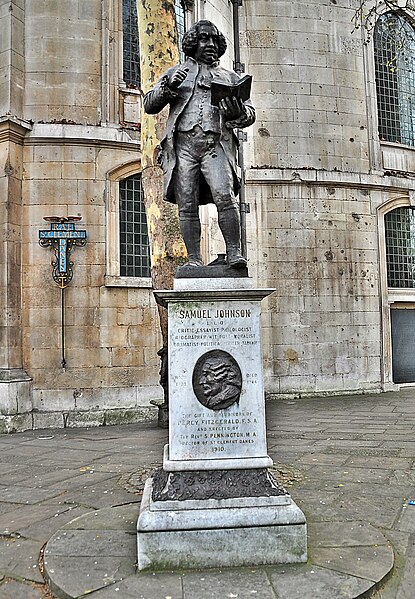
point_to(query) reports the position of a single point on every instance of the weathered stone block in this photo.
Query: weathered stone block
(15, 423)
(187, 538)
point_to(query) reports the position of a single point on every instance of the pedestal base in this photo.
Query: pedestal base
(214, 464)
(220, 533)
(15, 400)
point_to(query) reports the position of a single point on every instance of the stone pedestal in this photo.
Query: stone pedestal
(214, 503)
(15, 400)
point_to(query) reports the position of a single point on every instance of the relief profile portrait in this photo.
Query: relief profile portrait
(217, 380)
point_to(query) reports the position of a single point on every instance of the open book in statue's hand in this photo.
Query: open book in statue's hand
(241, 89)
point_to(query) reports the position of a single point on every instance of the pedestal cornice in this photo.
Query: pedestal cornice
(167, 296)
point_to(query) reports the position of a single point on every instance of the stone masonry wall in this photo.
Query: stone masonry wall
(111, 333)
(311, 182)
(308, 85)
(308, 154)
(63, 61)
(66, 157)
(322, 325)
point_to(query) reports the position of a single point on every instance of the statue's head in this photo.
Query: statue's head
(204, 42)
(217, 374)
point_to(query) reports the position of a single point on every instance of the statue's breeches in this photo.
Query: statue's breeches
(200, 153)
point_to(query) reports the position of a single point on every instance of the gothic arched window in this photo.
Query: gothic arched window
(394, 46)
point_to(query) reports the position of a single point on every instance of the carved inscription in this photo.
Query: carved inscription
(232, 327)
(218, 433)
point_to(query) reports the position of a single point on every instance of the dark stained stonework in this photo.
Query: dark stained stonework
(214, 271)
(215, 484)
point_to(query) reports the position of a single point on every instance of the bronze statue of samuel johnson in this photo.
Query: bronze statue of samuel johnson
(198, 151)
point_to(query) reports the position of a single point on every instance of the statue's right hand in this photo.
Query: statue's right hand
(177, 78)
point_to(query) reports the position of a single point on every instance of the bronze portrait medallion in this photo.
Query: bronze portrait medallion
(217, 380)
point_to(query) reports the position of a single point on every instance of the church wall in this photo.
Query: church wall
(314, 182)
(111, 333)
(320, 252)
(63, 61)
(308, 86)
(310, 187)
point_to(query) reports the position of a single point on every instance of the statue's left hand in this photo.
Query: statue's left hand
(232, 108)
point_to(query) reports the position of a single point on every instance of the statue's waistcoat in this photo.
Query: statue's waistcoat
(199, 111)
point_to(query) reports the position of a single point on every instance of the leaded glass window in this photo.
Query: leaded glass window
(134, 243)
(394, 44)
(180, 21)
(131, 49)
(400, 247)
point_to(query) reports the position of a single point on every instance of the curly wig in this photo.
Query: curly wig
(190, 39)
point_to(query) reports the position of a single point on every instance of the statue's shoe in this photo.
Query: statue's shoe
(194, 263)
(237, 261)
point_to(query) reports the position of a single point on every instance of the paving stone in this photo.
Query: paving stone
(344, 444)
(371, 563)
(67, 479)
(405, 479)
(398, 539)
(22, 450)
(11, 589)
(276, 448)
(16, 474)
(76, 576)
(367, 451)
(145, 586)
(377, 491)
(6, 507)
(324, 458)
(242, 584)
(44, 529)
(344, 534)
(349, 474)
(406, 450)
(5, 468)
(343, 504)
(406, 521)
(393, 463)
(26, 515)
(125, 467)
(301, 432)
(90, 543)
(123, 517)
(16, 494)
(373, 509)
(19, 558)
(318, 583)
(76, 457)
(407, 585)
(100, 495)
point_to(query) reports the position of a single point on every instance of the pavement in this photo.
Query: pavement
(69, 500)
